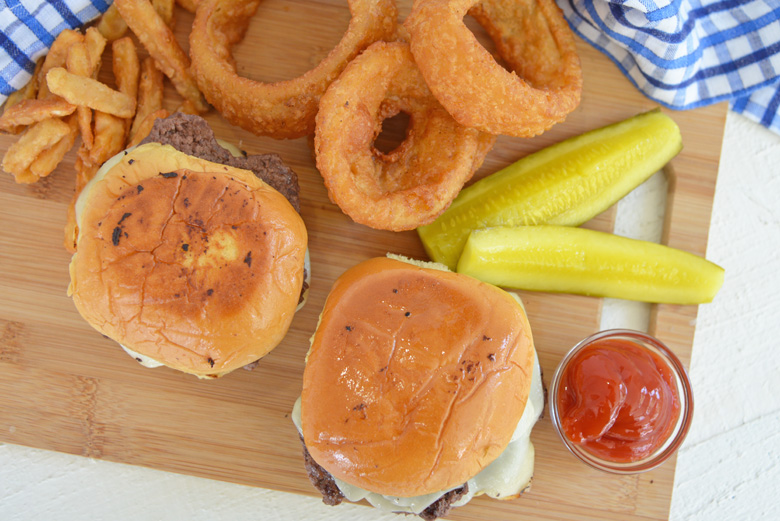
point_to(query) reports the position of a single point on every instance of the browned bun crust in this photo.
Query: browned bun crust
(416, 378)
(196, 265)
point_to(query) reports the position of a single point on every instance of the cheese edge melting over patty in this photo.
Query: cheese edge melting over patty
(505, 478)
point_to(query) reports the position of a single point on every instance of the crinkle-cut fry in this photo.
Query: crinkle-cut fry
(91, 93)
(109, 138)
(146, 126)
(164, 8)
(189, 5)
(162, 46)
(29, 111)
(48, 160)
(58, 54)
(187, 107)
(111, 24)
(96, 44)
(36, 139)
(79, 62)
(150, 93)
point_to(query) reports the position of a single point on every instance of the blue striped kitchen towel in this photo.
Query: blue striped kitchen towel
(27, 30)
(689, 53)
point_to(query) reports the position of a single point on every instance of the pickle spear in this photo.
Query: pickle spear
(565, 184)
(564, 259)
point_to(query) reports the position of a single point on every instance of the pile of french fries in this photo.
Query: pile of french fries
(64, 98)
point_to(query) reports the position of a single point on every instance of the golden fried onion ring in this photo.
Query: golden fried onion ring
(531, 36)
(285, 109)
(411, 185)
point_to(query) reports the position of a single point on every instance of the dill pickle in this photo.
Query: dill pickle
(565, 184)
(565, 259)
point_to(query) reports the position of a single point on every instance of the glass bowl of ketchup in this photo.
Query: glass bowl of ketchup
(621, 401)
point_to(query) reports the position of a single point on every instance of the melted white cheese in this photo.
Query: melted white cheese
(505, 478)
(142, 359)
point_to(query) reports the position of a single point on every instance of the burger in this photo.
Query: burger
(420, 390)
(188, 255)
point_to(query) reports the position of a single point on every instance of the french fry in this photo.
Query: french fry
(85, 171)
(109, 141)
(109, 138)
(164, 8)
(30, 111)
(189, 5)
(26, 177)
(126, 70)
(36, 139)
(111, 25)
(162, 46)
(48, 160)
(126, 66)
(146, 126)
(79, 62)
(187, 108)
(27, 92)
(96, 44)
(58, 54)
(150, 93)
(90, 93)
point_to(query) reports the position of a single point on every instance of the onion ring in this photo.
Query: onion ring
(286, 109)
(531, 36)
(411, 185)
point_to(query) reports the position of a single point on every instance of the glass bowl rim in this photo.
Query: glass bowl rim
(675, 439)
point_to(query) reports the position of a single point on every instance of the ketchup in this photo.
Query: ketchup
(618, 401)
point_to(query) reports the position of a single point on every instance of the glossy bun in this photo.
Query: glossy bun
(416, 378)
(195, 265)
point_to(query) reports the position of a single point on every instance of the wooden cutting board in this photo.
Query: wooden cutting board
(67, 388)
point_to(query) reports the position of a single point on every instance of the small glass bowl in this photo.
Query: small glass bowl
(677, 436)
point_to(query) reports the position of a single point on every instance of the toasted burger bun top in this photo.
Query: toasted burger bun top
(194, 264)
(416, 378)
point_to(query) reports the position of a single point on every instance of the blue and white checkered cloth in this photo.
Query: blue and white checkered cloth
(681, 53)
(27, 30)
(690, 53)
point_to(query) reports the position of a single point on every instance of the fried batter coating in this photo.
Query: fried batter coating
(531, 36)
(286, 109)
(411, 185)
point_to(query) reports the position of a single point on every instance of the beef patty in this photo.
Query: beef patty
(331, 495)
(193, 136)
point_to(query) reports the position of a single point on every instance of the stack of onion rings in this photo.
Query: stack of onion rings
(286, 109)
(531, 36)
(411, 185)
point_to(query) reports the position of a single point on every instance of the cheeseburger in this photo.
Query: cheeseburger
(187, 255)
(420, 390)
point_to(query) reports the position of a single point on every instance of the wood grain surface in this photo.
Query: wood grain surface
(67, 388)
